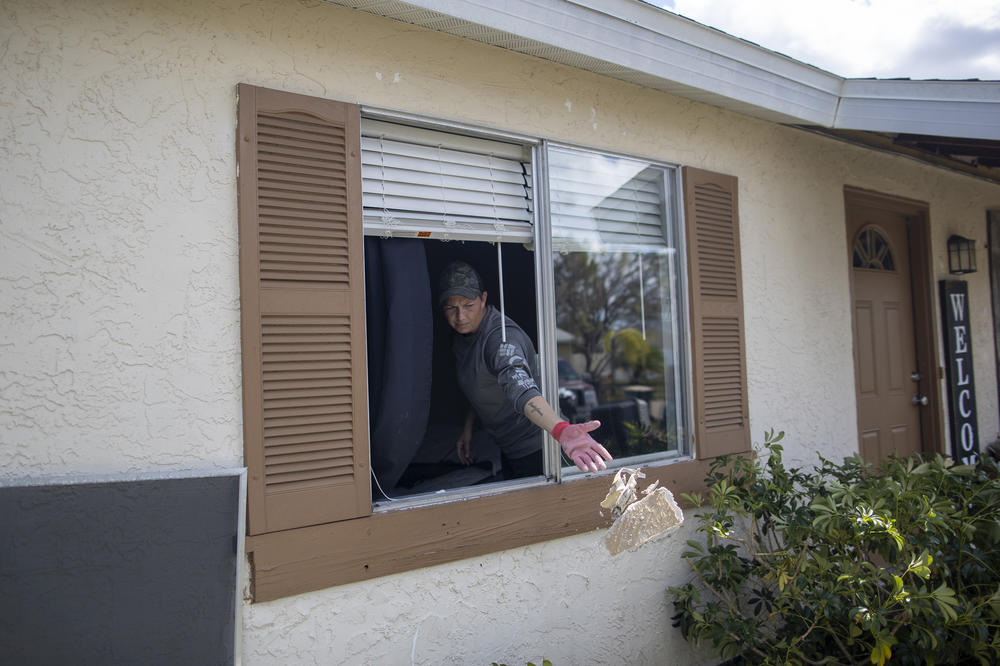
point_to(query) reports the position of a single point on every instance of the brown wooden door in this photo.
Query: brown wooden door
(884, 344)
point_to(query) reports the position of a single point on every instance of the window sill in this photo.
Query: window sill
(393, 541)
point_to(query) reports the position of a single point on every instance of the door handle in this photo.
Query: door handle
(919, 400)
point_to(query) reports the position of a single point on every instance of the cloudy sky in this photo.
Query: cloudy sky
(919, 39)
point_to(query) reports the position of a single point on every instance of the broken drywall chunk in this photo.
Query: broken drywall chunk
(622, 491)
(641, 519)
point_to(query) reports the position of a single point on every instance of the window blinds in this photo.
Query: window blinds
(428, 183)
(602, 202)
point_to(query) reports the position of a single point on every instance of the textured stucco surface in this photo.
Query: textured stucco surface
(566, 600)
(118, 288)
(119, 313)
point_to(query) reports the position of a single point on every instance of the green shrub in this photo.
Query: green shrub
(845, 565)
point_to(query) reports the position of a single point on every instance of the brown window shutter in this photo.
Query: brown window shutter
(716, 298)
(301, 291)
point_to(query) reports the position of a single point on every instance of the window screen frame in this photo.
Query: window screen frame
(674, 234)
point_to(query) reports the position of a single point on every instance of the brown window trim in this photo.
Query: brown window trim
(397, 540)
(309, 529)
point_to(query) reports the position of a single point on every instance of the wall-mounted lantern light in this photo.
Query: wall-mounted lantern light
(961, 255)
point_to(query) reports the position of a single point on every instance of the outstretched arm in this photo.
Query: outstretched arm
(514, 377)
(574, 439)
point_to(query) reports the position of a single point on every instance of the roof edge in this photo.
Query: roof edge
(635, 41)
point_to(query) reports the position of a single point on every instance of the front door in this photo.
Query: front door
(885, 361)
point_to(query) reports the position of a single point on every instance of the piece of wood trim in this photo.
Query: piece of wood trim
(926, 328)
(394, 541)
(861, 197)
(993, 258)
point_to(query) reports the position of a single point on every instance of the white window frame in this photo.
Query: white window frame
(536, 151)
(675, 234)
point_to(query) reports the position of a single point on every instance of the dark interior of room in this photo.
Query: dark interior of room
(416, 409)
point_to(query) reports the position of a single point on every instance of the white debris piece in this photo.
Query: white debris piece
(638, 520)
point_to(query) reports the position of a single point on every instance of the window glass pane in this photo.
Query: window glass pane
(617, 309)
(872, 251)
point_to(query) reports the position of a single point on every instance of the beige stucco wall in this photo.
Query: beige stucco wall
(119, 313)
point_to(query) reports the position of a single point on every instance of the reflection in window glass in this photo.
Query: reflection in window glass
(617, 306)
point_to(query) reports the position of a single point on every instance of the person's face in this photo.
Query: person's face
(464, 314)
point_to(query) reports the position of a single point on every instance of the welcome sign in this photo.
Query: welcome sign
(961, 385)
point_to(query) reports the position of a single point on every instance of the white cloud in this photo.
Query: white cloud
(953, 39)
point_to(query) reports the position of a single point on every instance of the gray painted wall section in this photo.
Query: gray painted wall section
(137, 571)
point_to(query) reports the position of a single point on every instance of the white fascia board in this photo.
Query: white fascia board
(714, 41)
(666, 46)
(965, 109)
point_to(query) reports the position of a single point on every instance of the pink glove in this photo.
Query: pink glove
(581, 448)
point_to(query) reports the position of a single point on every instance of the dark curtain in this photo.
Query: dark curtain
(400, 347)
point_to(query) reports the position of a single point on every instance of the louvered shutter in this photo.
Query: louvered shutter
(716, 300)
(429, 183)
(301, 291)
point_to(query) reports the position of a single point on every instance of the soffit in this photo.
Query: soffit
(634, 41)
(976, 157)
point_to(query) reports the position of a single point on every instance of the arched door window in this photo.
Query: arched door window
(872, 251)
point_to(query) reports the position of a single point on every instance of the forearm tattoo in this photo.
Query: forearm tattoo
(535, 410)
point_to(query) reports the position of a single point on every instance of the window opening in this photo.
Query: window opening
(416, 406)
(872, 251)
(436, 186)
